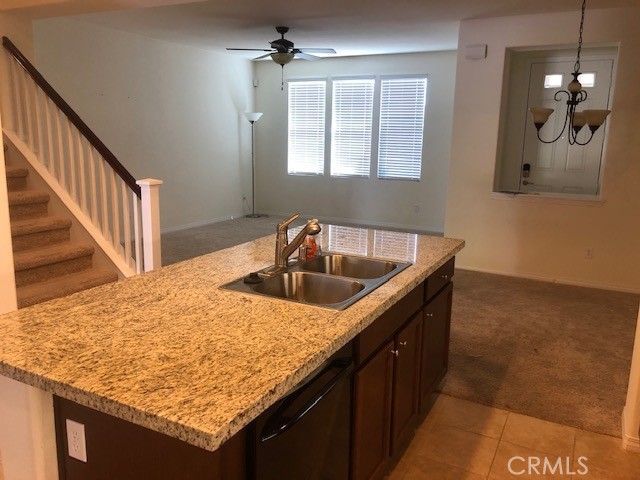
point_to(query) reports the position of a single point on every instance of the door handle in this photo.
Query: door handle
(527, 182)
(280, 423)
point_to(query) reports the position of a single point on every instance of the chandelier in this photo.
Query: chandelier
(574, 120)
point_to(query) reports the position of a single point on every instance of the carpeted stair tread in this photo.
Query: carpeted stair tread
(38, 224)
(26, 197)
(50, 255)
(62, 286)
(16, 172)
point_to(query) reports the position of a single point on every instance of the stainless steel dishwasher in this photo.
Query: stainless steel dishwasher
(306, 434)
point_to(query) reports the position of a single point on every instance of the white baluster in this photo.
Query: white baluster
(115, 212)
(104, 199)
(151, 223)
(93, 186)
(28, 111)
(137, 230)
(71, 136)
(18, 114)
(40, 131)
(62, 178)
(51, 164)
(82, 156)
(126, 222)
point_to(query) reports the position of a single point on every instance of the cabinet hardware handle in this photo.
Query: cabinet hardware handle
(394, 352)
(429, 314)
(403, 344)
(446, 277)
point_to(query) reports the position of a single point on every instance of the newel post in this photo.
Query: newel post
(151, 223)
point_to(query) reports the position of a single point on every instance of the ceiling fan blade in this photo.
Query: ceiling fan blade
(317, 50)
(263, 56)
(305, 56)
(252, 49)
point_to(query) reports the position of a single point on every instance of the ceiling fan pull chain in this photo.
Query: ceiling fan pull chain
(282, 81)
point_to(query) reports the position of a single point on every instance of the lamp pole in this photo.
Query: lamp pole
(253, 117)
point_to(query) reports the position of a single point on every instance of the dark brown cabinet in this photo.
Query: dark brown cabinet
(372, 415)
(406, 382)
(435, 343)
(401, 359)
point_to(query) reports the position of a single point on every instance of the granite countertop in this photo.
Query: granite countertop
(171, 351)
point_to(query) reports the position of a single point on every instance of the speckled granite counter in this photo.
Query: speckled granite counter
(171, 351)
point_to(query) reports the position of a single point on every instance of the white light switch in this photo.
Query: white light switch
(76, 440)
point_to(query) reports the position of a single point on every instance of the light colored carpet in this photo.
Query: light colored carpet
(556, 352)
(550, 351)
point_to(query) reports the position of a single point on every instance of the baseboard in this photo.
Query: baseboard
(561, 281)
(362, 223)
(201, 223)
(630, 440)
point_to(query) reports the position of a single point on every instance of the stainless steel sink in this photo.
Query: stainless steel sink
(349, 266)
(309, 288)
(332, 281)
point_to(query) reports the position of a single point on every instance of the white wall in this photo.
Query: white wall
(381, 202)
(631, 414)
(166, 111)
(534, 238)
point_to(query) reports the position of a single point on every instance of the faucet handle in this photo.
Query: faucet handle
(285, 223)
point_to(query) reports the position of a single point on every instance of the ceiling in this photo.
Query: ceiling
(352, 27)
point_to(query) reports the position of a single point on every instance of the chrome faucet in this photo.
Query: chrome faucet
(284, 249)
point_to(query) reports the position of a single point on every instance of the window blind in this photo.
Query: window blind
(306, 127)
(352, 113)
(348, 240)
(402, 110)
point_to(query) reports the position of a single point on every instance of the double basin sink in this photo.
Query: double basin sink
(332, 281)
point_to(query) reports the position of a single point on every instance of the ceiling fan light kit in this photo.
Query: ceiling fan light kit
(574, 120)
(284, 51)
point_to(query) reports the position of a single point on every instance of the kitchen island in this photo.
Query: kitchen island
(172, 352)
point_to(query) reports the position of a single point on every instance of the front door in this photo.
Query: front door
(559, 167)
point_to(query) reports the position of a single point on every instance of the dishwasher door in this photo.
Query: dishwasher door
(306, 434)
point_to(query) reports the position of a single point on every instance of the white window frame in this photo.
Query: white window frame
(324, 129)
(333, 166)
(424, 119)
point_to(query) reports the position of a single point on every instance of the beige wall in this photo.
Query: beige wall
(535, 238)
(365, 200)
(167, 111)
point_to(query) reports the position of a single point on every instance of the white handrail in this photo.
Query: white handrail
(125, 227)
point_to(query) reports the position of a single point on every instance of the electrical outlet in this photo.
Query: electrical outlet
(76, 440)
(588, 253)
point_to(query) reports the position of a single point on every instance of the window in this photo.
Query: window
(351, 116)
(553, 81)
(394, 124)
(587, 80)
(306, 127)
(402, 106)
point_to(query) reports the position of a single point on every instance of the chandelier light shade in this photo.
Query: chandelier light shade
(574, 120)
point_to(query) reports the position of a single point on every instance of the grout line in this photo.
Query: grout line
(495, 454)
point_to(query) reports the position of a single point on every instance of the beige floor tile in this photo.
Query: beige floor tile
(539, 435)
(595, 473)
(471, 416)
(400, 469)
(559, 467)
(452, 446)
(606, 453)
(425, 469)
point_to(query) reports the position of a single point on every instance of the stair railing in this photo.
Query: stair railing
(120, 213)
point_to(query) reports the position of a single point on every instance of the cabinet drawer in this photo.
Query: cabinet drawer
(389, 322)
(439, 279)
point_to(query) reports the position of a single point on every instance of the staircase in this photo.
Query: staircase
(47, 264)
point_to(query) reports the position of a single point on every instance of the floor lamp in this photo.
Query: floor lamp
(253, 117)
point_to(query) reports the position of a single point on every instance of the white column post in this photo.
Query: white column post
(631, 412)
(151, 223)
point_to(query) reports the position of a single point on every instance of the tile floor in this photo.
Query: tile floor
(462, 440)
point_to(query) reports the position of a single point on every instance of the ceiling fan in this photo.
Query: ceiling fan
(282, 51)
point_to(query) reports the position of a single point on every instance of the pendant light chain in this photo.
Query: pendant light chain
(576, 67)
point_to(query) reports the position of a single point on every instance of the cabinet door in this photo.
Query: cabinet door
(406, 382)
(435, 343)
(372, 415)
